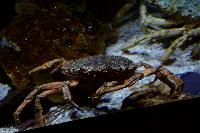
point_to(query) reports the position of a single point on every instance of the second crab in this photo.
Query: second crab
(180, 19)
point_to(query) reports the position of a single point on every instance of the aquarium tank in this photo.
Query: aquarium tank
(65, 60)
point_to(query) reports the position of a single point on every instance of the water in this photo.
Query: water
(149, 53)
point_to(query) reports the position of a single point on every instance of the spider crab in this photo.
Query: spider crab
(182, 21)
(102, 73)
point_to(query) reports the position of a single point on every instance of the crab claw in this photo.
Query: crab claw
(46, 65)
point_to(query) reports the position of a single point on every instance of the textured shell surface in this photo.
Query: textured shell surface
(100, 63)
(186, 8)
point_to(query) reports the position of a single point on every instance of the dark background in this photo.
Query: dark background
(6, 11)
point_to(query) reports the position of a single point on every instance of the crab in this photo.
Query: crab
(89, 78)
(183, 14)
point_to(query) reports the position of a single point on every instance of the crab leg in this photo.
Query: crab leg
(39, 118)
(111, 86)
(26, 101)
(46, 65)
(103, 90)
(180, 41)
(175, 83)
(148, 20)
(163, 33)
(164, 75)
(106, 86)
(130, 82)
(66, 92)
(64, 86)
(30, 97)
(49, 88)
